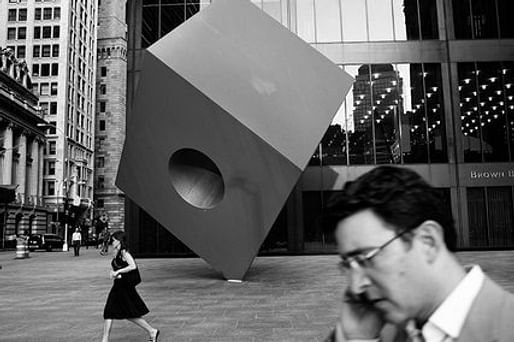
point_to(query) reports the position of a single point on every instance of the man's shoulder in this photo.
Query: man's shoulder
(491, 315)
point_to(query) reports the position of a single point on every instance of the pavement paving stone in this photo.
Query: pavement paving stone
(53, 296)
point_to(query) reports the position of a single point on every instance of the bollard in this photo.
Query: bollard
(22, 248)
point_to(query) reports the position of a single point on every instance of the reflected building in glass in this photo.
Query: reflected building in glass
(433, 91)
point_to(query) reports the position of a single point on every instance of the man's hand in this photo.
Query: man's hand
(359, 319)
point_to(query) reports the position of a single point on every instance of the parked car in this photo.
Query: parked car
(45, 241)
(9, 242)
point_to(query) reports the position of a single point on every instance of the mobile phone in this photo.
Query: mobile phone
(353, 298)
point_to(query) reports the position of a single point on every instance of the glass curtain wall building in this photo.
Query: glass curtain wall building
(433, 91)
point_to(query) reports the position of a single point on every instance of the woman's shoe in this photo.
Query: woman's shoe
(154, 338)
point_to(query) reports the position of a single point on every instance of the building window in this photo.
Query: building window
(479, 19)
(57, 13)
(36, 51)
(22, 14)
(101, 182)
(47, 13)
(44, 89)
(45, 70)
(53, 89)
(55, 69)
(393, 114)
(11, 16)
(51, 148)
(44, 107)
(490, 216)
(37, 32)
(103, 71)
(56, 32)
(103, 89)
(20, 51)
(102, 125)
(11, 33)
(47, 32)
(100, 203)
(55, 50)
(53, 108)
(51, 168)
(22, 33)
(102, 106)
(35, 70)
(486, 92)
(37, 14)
(50, 188)
(45, 51)
(100, 162)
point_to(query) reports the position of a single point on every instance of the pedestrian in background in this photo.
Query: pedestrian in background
(76, 240)
(123, 301)
(396, 241)
(106, 236)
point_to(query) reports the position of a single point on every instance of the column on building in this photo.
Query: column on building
(40, 168)
(21, 171)
(74, 183)
(34, 171)
(8, 153)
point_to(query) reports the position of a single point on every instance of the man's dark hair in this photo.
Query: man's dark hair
(399, 196)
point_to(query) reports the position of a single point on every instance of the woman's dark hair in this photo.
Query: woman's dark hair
(399, 196)
(121, 237)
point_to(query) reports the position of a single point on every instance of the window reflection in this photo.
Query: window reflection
(487, 110)
(483, 19)
(354, 20)
(328, 23)
(305, 20)
(159, 17)
(393, 114)
(380, 20)
(505, 10)
(366, 20)
(150, 25)
(273, 8)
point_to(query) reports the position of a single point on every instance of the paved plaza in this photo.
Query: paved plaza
(53, 296)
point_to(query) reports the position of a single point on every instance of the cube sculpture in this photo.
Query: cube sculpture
(229, 109)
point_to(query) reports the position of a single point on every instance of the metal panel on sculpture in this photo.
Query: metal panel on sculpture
(230, 107)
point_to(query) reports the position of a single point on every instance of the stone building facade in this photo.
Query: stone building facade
(111, 83)
(22, 143)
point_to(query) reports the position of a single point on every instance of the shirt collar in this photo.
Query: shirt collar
(450, 316)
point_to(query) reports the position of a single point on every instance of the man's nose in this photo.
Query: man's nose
(359, 280)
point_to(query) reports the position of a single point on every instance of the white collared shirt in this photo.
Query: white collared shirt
(445, 324)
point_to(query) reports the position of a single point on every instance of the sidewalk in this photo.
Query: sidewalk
(53, 296)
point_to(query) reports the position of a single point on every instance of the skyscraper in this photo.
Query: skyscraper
(57, 39)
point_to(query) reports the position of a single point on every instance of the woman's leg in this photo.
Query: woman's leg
(107, 330)
(145, 325)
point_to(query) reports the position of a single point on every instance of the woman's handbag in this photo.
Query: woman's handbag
(131, 278)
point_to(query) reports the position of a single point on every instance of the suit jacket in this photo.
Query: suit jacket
(490, 319)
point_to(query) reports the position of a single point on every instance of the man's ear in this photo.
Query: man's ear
(431, 236)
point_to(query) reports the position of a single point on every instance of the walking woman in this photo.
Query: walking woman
(123, 301)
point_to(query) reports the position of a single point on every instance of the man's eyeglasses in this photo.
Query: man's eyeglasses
(364, 259)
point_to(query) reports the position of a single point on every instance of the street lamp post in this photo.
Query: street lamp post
(66, 181)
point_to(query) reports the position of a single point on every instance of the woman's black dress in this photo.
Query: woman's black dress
(123, 300)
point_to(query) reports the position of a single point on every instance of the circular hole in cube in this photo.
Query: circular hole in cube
(196, 178)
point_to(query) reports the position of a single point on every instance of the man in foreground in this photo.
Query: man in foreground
(396, 240)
